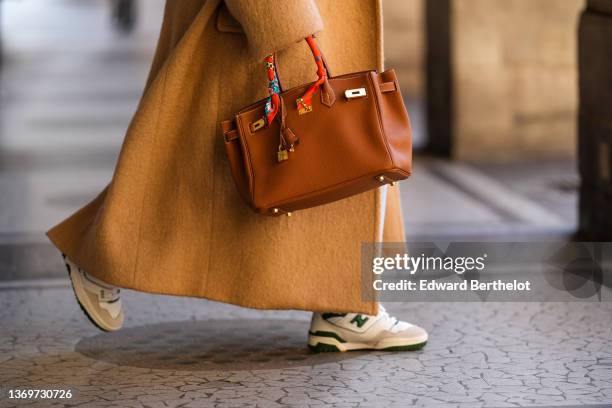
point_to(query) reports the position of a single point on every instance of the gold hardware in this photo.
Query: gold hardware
(355, 93)
(381, 179)
(292, 148)
(282, 154)
(289, 214)
(303, 107)
(255, 126)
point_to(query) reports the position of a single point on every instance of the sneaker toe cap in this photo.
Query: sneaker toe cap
(413, 332)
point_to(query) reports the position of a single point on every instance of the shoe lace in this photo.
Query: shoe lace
(114, 294)
(109, 295)
(382, 312)
(392, 322)
(106, 293)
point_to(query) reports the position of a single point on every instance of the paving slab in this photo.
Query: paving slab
(191, 352)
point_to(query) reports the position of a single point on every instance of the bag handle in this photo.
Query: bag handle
(275, 105)
(304, 104)
(328, 97)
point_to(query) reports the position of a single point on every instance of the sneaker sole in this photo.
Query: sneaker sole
(76, 290)
(324, 344)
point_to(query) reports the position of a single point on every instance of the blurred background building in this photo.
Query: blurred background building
(521, 90)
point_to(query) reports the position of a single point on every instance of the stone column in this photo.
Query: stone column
(595, 120)
(404, 43)
(502, 78)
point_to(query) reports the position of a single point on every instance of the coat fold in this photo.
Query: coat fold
(272, 25)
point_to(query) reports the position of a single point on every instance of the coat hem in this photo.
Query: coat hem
(372, 309)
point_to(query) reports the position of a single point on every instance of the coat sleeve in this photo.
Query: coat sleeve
(272, 25)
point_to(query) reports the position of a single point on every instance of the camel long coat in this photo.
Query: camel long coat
(171, 221)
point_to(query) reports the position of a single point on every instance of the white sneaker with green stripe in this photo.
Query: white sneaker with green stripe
(353, 331)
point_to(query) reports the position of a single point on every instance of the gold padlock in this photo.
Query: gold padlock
(282, 154)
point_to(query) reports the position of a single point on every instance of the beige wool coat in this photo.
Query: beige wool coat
(170, 221)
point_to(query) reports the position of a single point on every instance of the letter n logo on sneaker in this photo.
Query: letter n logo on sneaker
(359, 320)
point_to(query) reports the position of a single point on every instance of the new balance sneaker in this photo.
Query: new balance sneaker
(99, 301)
(353, 331)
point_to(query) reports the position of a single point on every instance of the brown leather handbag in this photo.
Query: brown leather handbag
(355, 137)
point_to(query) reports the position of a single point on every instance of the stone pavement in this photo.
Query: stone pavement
(194, 353)
(503, 202)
